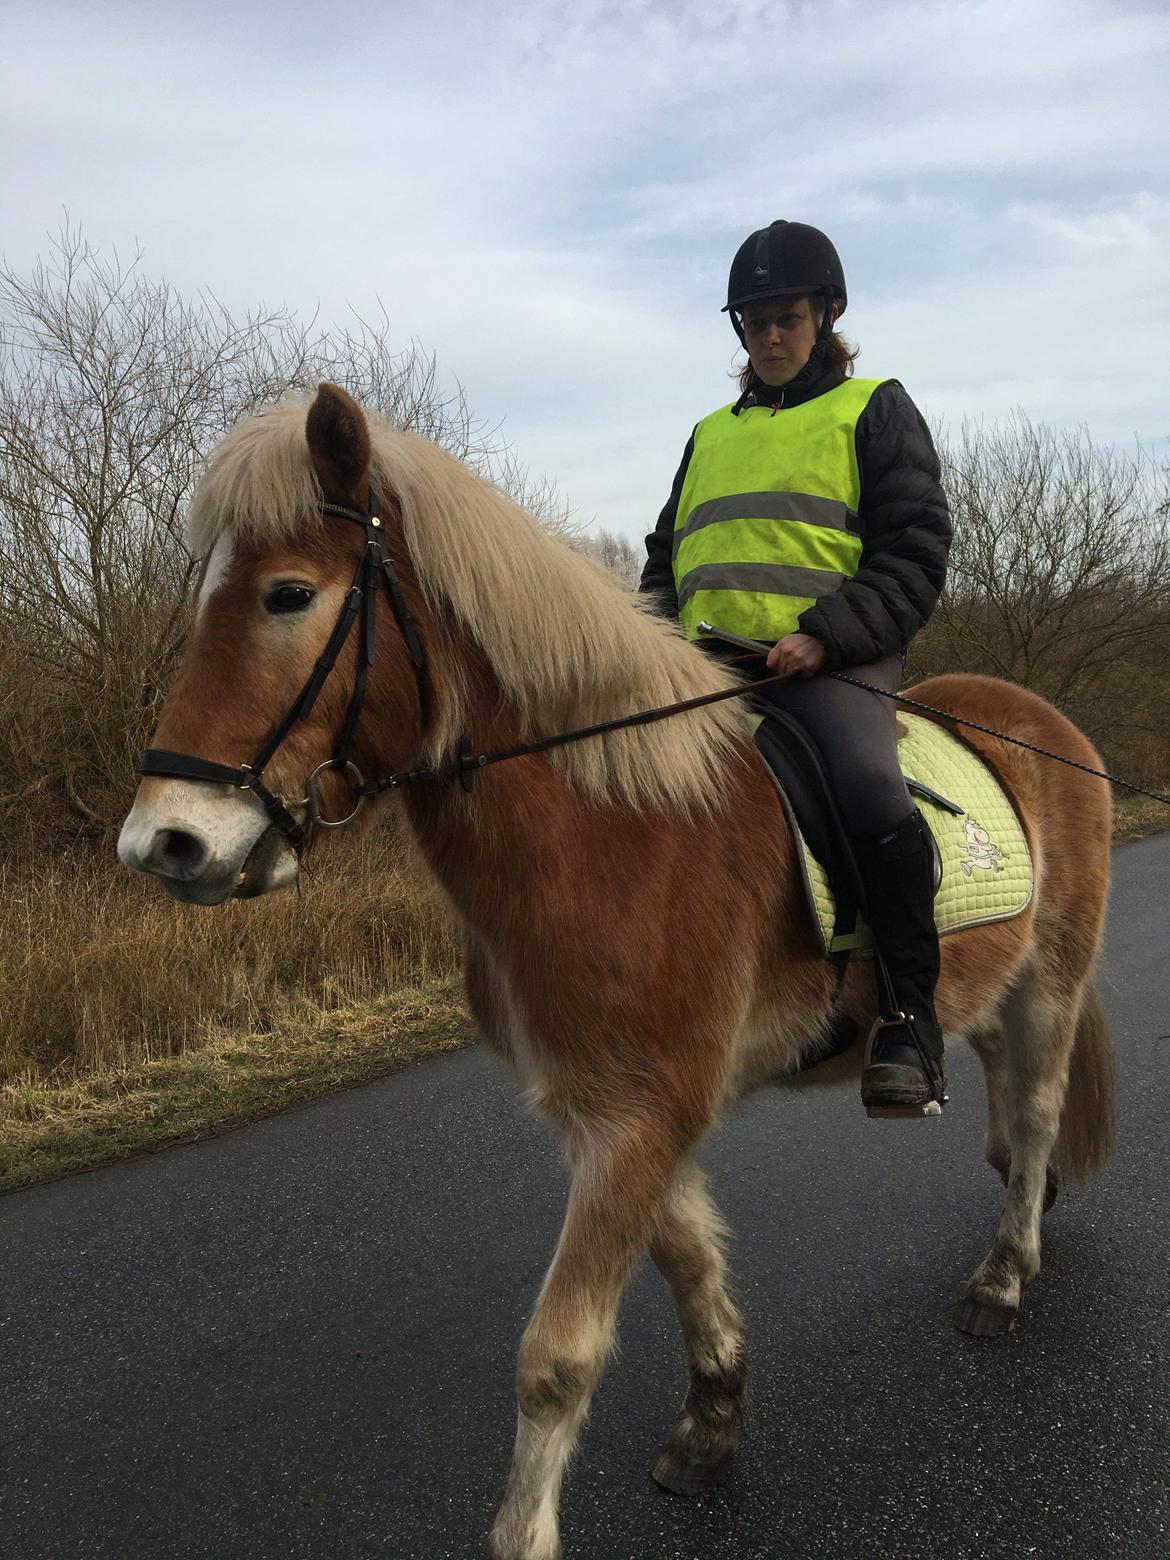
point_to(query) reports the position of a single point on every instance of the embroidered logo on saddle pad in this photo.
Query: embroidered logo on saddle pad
(981, 853)
(986, 867)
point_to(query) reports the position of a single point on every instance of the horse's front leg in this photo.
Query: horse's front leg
(621, 1172)
(687, 1247)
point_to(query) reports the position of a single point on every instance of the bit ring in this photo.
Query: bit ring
(313, 798)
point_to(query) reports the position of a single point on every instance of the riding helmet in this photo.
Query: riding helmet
(785, 257)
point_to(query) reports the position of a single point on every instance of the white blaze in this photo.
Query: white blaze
(217, 567)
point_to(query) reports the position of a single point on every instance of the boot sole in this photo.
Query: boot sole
(904, 1112)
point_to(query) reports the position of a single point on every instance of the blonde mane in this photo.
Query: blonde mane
(567, 644)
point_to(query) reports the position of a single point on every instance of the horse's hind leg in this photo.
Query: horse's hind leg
(990, 1045)
(687, 1246)
(621, 1174)
(1026, 1095)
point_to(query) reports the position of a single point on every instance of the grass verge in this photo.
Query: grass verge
(1134, 817)
(231, 1078)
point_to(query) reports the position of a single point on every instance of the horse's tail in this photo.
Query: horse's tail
(1088, 1123)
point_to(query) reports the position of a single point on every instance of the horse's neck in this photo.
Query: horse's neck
(483, 844)
(489, 846)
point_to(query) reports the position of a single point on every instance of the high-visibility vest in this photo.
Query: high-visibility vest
(767, 516)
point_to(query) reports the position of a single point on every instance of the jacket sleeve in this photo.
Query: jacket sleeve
(658, 574)
(906, 535)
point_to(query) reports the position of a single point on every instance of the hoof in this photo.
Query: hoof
(982, 1319)
(689, 1478)
(502, 1549)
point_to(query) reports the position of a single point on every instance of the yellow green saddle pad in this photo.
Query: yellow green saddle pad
(986, 866)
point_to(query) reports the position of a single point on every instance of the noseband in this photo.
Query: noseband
(361, 599)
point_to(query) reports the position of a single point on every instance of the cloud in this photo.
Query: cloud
(549, 194)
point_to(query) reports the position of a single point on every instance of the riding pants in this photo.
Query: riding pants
(856, 734)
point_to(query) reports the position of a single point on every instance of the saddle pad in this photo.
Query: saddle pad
(986, 866)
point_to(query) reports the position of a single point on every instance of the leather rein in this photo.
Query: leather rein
(360, 606)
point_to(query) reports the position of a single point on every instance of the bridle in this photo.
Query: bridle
(362, 597)
(361, 602)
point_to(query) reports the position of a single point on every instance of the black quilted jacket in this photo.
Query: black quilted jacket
(904, 521)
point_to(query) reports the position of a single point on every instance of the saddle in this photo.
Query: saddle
(983, 868)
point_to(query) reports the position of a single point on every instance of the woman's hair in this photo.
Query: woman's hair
(843, 353)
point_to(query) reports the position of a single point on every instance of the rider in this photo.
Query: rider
(808, 516)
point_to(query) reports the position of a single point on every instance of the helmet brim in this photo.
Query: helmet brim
(785, 292)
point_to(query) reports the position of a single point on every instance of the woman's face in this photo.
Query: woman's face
(780, 334)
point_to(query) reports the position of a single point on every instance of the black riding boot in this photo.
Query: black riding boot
(904, 1066)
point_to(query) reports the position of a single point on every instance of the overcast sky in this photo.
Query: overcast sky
(549, 195)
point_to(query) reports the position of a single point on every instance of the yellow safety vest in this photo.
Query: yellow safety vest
(767, 516)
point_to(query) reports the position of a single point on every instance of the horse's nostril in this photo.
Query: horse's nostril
(179, 849)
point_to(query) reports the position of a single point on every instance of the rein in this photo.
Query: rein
(466, 764)
(360, 603)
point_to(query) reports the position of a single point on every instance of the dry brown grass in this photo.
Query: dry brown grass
(230, 1077)
(100, 971)
(1136, 816)
(127, 1020)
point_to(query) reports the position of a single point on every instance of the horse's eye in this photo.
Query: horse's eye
(289, 598)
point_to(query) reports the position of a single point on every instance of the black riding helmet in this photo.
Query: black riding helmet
(786, 257)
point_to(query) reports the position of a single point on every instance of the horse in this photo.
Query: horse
(637, 946)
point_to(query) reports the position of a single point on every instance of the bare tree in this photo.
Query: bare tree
(613, 552)
(1059, 578)
(113, 390)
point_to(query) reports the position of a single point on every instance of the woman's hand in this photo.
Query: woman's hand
(796, 655)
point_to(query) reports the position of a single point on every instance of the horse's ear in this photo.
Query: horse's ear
(339, 441)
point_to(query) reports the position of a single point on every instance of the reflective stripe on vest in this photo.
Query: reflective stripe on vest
(767, 517)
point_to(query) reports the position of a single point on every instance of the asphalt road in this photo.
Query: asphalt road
(298, 1339)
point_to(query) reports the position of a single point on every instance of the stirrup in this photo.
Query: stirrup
(932, 1075)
